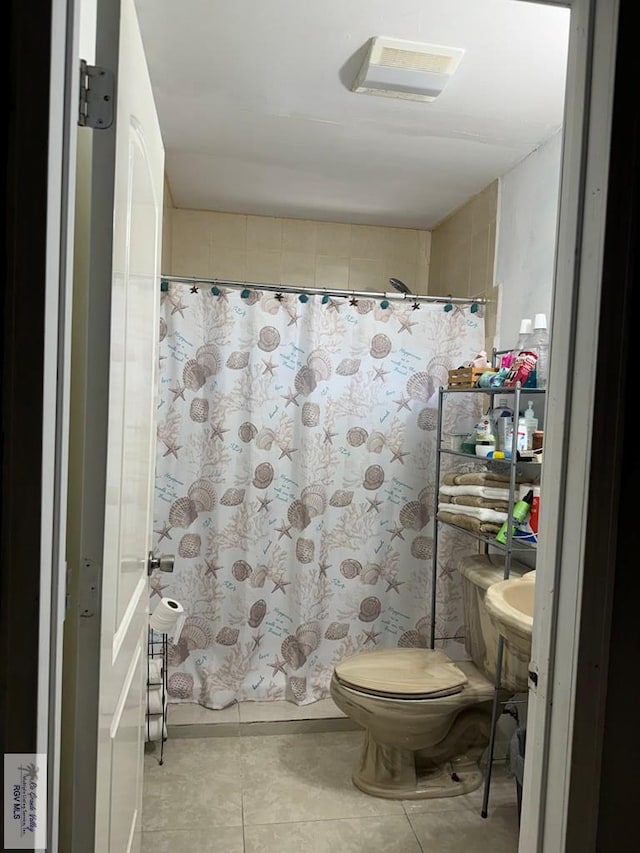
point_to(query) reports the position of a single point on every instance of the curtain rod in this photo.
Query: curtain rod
(290, 288)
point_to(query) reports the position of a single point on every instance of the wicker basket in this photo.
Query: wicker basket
(467, 377)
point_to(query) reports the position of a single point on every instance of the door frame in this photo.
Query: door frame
(32, 596)
(35, 313)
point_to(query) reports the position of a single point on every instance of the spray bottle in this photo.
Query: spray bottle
(520, 512)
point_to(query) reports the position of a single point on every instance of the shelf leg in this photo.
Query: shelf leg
(492, 735)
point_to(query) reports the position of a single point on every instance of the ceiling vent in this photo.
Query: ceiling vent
(406, 69)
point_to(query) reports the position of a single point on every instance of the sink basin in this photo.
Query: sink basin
(509, 604)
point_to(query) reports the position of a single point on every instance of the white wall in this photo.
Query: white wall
(526, 239)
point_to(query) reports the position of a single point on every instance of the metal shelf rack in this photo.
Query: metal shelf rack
(157, 649)
(509, 547)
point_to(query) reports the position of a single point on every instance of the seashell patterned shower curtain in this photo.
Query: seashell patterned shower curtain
(295, 485)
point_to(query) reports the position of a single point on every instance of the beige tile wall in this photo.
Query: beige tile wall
(462, 254)
(297, 252)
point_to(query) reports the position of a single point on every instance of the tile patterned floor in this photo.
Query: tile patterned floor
(293, 792)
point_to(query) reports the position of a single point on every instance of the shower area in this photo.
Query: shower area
(295, 482)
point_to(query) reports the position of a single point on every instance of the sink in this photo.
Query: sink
(509, 604)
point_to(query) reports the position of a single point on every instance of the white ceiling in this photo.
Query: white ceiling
(257, 115)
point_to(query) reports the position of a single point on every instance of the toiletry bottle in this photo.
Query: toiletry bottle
(535, 510)
(540, 343)
(524, 338)
(523, 434)
(531, 423)
(520, 512)
(525, 344)
(503, 422)
(485, 439)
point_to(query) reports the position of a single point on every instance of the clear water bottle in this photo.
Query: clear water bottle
(525, 338)
(525, 342)
(540, 345)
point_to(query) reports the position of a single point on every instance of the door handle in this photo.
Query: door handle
(162, 564)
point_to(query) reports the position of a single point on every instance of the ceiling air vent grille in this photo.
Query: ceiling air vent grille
(405, 69)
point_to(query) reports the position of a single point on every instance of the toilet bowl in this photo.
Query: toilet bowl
(427, 718)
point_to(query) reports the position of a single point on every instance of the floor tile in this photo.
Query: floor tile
(223, 839)
(458, 829)
(199, 783)
(392, 834)
(502, 792)
(304, 778)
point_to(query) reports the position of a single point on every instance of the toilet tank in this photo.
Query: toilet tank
(481, 638)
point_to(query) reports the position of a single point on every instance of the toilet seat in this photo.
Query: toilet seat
(402, 674)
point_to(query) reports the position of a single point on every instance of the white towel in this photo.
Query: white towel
(482, 514)
(490, 492)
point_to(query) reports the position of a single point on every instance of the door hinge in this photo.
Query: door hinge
(89, 584)
(96, 97)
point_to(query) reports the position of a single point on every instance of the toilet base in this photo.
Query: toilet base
(397, 773)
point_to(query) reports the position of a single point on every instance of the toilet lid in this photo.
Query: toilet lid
(402, 673)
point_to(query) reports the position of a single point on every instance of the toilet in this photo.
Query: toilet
(427, 718)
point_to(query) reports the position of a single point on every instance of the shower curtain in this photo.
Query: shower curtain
(295, 484)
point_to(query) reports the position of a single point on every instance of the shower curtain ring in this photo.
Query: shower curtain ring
(353, 300)
(449, 306)
(474, 305)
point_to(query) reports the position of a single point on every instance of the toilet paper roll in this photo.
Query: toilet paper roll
(168, 618)
(155, 705)
(155, 728)
(155, 672)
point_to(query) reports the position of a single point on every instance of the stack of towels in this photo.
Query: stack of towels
(475, 500)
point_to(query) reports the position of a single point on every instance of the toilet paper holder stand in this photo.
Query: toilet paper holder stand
(157, 648)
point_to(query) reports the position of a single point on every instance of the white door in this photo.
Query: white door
(116, 298)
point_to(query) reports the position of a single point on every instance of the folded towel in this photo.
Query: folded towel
(472, 500)
(487, 492)
(491, 515)
(475, 478)
(469, 523)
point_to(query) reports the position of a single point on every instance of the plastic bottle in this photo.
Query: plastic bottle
(531, 424)
(523, 434)
(534, 518)
(524, 344)
(485, 439)
(540, 343)
(520, 512)
(524, 341)
(525, 338)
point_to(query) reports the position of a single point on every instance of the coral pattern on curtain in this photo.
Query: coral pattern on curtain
(295, 484)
